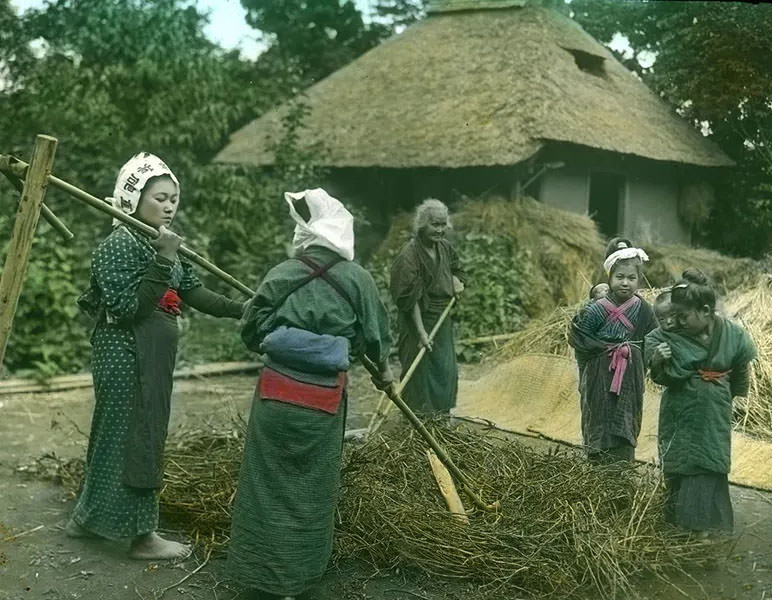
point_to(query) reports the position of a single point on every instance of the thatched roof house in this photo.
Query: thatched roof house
(490, 93)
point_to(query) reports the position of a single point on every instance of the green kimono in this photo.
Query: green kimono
(695, 420)
(134, 349)
(417, 278)
(283, 513)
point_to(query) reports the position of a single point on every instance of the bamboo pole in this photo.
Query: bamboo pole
(383, 409)
(45, 212)
(27, 216)
(466, 485)
(19, 169)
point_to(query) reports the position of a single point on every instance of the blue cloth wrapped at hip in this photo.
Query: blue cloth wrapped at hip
(307, 351)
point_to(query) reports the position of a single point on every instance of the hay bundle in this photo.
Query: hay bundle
(548, 335)
(522, 258)
(200, 476)
(564, 530)
(669, 261)
(202, 469)
(752, 308)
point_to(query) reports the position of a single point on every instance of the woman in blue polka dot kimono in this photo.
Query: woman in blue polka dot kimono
(138, 289)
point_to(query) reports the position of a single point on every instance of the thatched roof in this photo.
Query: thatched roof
(474, 88)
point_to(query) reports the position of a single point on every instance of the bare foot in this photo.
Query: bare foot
(152, 546)
(73, 530)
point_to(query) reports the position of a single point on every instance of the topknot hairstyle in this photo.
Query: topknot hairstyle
(694, 290)
(614, 245)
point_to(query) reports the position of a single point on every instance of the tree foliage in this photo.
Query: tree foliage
(313, 38)
(712, 65)
(111, 78)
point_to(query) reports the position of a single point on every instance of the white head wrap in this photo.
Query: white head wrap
(132, 179)
(330, 225)
(623, 254)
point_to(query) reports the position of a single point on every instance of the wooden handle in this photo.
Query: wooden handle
(19, 169)
(383, 408)
(447, 488)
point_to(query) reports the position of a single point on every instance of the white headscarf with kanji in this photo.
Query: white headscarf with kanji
(623, 254)
(330, 225)
(132, 179)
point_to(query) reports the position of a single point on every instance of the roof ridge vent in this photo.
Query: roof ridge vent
(588, 62)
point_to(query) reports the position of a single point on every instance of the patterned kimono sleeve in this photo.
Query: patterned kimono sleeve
(189, 278)
(118, 267)
(591, 318)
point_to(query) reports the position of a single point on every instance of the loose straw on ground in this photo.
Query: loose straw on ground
(566, 529)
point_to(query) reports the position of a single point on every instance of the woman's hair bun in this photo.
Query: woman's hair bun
(614, 244)
(695, 276)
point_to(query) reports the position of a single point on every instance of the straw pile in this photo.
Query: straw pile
(752, 307)
(522, 259)
(726, 272)
(202, 470)
(564, 530)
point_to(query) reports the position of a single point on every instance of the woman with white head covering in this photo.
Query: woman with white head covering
(309, 313)
(138, 287)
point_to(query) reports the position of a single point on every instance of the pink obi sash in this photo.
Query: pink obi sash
(620, 353)
(617, 313)
(620, 358)
(273, 385)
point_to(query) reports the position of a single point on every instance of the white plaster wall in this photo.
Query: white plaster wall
(565, 188)
(650, 210)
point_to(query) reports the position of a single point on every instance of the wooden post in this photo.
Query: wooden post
(15, 268)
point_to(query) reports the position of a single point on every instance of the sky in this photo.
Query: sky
(228, 27)
(227, 23)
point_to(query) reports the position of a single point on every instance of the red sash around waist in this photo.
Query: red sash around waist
(713, 376)
(272, 385)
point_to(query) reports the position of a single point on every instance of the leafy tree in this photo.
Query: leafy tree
(313, 38)
(712, 64)
(400, 13)
(116, 77)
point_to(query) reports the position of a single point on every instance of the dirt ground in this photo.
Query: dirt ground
(38, 561)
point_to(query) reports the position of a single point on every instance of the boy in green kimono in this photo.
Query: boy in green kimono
(703, 365)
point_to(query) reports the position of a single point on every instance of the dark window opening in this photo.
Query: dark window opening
(588, 63)
(606, 193)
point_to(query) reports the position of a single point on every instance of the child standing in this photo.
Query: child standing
(608, 339)
(703, 366)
